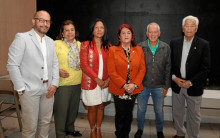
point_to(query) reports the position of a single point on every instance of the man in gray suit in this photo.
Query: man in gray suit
(34, 71)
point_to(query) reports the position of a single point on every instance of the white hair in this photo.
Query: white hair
(190, 17)
(153, 23)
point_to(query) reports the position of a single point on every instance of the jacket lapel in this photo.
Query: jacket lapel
(133, 52)
(96, 50)
(34, 39)
(121, 53)
(193, 48)
(48, 49)
(179, 51)
(94, 47)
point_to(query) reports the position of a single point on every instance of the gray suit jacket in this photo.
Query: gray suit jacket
(25, 63)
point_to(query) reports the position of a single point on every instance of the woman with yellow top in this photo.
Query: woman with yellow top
(67, 97)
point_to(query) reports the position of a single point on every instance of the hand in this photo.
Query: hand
(106, 82)
(63, 73)
(99, 82)
(129, 88)
(21, 94)
(125, 86)
(179, 82)
(186, 84)
(164, 91)
(51, 90)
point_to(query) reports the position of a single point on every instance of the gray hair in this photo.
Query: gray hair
(190, 17)
(153, 23)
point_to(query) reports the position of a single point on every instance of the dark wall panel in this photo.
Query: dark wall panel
(168, 14)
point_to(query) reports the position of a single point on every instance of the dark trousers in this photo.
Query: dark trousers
(66, 105)
(123, 116)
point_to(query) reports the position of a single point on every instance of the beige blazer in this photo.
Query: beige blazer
(25, 63)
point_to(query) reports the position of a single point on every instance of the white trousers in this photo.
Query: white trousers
(36, 114)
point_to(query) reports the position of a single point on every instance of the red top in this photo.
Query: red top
(89, 63)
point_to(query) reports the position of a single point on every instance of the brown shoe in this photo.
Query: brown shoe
(178, 136)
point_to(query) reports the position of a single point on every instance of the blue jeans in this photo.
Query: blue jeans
(158, 101)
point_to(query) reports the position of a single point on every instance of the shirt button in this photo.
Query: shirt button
(41, 78)
(42, 67)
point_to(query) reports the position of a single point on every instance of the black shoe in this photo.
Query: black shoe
(126, 136)
(74, 134)
(138, 134)
(160, 135)
(178, 136)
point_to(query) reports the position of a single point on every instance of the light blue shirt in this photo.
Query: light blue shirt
(185, 53)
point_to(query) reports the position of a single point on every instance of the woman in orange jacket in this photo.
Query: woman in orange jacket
(126, 68)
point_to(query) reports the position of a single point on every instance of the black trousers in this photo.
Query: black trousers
(123, 116)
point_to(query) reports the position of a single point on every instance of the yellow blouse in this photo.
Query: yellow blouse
(75, 76)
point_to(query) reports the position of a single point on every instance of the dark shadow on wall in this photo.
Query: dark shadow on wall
(168, 14)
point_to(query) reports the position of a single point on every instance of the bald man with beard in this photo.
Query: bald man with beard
(33, 68)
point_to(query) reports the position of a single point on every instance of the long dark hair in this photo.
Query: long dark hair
(67, 22)
(133, 43)
(105, 41)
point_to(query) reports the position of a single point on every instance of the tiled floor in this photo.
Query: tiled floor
(11, 129)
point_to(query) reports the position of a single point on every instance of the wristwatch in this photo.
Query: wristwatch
(21, 92)
(135, 86)
(190, 83)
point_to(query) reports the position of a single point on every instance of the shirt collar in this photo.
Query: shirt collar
(124, 47)
(188, 41)
(155, 45)
(38, 37)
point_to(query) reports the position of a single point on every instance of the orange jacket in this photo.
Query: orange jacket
(89, 63)
(117, 69)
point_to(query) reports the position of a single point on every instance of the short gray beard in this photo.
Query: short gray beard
(38, 29)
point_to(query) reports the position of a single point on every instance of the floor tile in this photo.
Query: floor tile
(11, 128)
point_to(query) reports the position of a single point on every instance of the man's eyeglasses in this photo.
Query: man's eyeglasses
(43, 20)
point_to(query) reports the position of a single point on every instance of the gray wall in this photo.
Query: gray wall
(138, 13)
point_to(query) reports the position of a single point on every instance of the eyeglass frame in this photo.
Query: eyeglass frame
(41, 20)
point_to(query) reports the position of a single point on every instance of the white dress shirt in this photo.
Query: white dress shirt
(43, 47)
